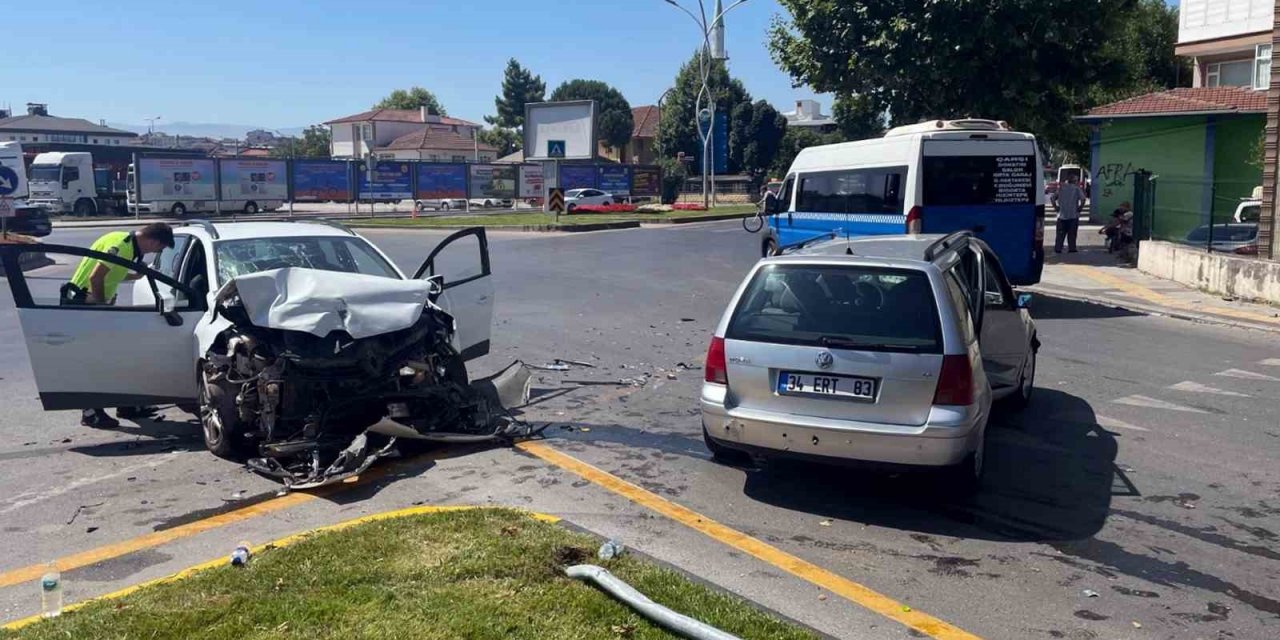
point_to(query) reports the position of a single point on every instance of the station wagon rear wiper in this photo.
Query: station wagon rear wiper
(835, 342)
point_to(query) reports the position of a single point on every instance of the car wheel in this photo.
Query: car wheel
(966, 478)
(84, 208)
(571, 207)
(723, 454)
(219, 421)
(250, 207)
(1026, 384)
(444, 206)
(605, 203)
(178, 209)
(769, 248)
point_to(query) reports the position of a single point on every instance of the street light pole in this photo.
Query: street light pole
(705, 60)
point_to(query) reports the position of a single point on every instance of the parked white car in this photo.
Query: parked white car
(291, 340)
(442, 204)
(575, 198)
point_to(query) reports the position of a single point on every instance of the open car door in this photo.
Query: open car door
(463, 261)
(104, 355)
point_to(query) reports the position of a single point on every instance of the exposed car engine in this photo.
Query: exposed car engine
(313, 410)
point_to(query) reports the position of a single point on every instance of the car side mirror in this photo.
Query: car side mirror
(772, 205)
(1024, 301)
(993, 299)
(436, 287)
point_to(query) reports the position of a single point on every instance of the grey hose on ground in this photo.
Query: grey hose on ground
(670, 620)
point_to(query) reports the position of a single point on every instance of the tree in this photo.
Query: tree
(314, 143)
(613, 112)
(506, 140)
(1033, 63)
(858, 117)
(677, 129)
(519, 86)
(414, 98)
(758, 139)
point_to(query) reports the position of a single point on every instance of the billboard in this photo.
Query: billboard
(391, 181)
(440, 181)
(646, 181)
(569, 127)
(176, 179)
(577, 176)
(493, 181)
(615, 179)
(253, 180)
(532, 183)
(321, 181)
(719, 141)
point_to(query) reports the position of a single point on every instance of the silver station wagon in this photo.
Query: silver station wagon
(887, 350)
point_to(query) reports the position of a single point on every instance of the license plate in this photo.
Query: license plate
(792, 383)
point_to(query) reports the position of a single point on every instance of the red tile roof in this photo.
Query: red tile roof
(1186, 100)
(399, 115)
(429, 138)
(646, 121)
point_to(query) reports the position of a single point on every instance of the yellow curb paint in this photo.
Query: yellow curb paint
(155, 539)
(1139, 291)
(839, 585)
(276, 544)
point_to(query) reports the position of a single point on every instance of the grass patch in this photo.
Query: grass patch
(537, 218)
(488, 573)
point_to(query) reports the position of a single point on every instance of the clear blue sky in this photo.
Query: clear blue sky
(291, 63)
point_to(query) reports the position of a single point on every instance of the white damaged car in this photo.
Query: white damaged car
(300, 345)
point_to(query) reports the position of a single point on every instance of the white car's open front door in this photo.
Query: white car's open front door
(103, 355)
(463, 261)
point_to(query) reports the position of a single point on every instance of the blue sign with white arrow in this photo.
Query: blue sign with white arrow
(8, 181)
(555, 148)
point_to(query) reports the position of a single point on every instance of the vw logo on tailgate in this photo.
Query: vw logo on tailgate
(825, 360)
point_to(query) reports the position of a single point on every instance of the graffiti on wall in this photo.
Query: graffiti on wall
(1112, 175)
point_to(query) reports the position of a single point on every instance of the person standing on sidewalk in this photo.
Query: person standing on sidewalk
(1070, 202)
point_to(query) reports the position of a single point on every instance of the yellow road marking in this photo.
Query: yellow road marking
(282, 542)
(155, 539)
(839, 585)
(1139, 291)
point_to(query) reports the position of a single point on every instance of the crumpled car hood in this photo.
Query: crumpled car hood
(320, 302)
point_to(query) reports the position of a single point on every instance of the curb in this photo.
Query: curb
(538, 228)
(723, 216)
(1148, 309)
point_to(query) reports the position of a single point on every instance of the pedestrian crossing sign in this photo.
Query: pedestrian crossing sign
(555, 148)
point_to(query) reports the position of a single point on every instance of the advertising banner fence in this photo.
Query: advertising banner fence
(614, 179)
(493, 181)
(253, 180)
(163, 179)
(532, 183)
(321, 181)
(646, 181)
(391, 181)
(441, 181)
(577, 176)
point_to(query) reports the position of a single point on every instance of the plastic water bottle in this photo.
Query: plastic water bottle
(240, 557)
(51, 592)
(610, 550)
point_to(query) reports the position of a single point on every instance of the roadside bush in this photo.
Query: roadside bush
(653, 208)
(609, 208)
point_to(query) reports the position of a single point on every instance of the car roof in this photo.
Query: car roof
(896, 247)
(249, 230)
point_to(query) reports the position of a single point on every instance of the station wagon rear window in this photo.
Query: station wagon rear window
(840, 307)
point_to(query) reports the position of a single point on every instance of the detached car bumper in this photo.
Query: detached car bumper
(946, 438)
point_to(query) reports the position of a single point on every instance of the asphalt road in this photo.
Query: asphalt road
(1144, 471)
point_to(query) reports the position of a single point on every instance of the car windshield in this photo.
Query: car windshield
(45, 172)
(1225, 233)
(1250, 213)
(845, 307)
(346, 254)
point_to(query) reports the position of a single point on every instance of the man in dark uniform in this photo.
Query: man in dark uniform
(96, 281)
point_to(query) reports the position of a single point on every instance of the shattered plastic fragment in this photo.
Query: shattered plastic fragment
(1089, 593)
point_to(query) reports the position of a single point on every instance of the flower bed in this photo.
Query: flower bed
(688, 206)
(609, 208)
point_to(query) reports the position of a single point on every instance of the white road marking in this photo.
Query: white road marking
(1270, 362)
(1246, 375)
(1152, 403)
(1196, 387)
(32, 497)
(1113, 423)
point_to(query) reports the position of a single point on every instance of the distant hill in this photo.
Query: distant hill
(204, 129)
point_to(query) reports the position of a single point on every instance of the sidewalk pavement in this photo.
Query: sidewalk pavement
(1093, 275)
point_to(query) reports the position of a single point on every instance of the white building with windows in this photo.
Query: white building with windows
(1228, 41)
(407, 134)
(38, 127)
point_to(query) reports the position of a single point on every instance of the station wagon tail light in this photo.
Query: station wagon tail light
(955, 382)
(915, 219)
(717, 370)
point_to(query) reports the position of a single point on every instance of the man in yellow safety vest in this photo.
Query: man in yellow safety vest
(96, 281)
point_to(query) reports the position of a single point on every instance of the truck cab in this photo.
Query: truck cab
(64, 182)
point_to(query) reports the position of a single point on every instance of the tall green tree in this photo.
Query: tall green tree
(519, 86)
(677, 129)
(613, 112)
(314, 143)
(758, 139)
(1034, 63)
(506, 140)
(413, 98)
